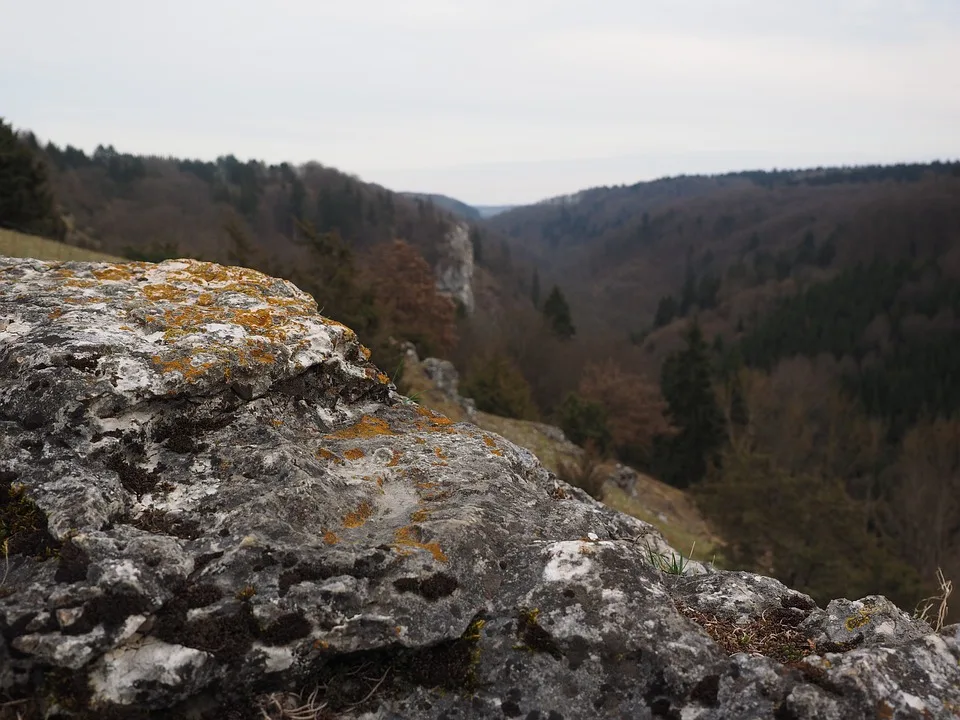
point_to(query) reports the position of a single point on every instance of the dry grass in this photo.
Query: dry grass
(939, 601)
(14, 244)
(774, 635)
(293, 706)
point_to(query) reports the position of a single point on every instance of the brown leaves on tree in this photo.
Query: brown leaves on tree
(410, 305)
(635, 408)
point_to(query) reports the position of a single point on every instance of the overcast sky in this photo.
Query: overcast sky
(492, 101)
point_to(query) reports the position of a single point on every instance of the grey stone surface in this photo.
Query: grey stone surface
(220, 509)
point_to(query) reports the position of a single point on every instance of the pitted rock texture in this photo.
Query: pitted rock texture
(216, 508)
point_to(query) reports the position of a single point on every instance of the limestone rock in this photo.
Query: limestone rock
(625, 478)
(447, 381)
(454, 268)
(215, 507)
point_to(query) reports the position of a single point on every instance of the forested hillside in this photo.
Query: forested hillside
(327, 231)
(786, 345)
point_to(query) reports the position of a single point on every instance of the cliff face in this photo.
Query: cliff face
(214, 506)
(454, 269)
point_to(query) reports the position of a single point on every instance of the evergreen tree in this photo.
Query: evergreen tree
(498, 387)
(298, 198)
(707, 292)
(557, 312)
(476, 241)
(26, 203)
(585, 422)
(535, 289)
(686, 385)
(332, 278)
(689, 295)
(666, 311)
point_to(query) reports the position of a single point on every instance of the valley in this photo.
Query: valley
(774, 353)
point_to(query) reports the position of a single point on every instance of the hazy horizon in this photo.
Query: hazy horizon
(494, 103)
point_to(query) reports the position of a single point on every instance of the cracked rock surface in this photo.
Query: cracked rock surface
(215, 507)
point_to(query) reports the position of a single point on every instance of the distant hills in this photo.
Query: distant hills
(457, 207)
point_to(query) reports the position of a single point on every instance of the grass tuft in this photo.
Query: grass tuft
(774, 634)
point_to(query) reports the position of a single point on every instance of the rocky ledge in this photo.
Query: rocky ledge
(213, 506)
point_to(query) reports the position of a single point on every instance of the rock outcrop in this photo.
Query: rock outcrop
(454, 269)
(213, 506)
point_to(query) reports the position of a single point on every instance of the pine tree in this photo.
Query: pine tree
(686, 384)
(476, 241)
(689, 295)
(26, 203)
(666, 311)
(535, 289)
(557, 312)
(498, 387)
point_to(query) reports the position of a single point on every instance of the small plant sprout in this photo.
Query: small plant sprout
(674, 564)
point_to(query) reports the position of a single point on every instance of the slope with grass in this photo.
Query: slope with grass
(668, 509)
(15, 244)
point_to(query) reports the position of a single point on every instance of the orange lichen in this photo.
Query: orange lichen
(254, 318)
(113, 272)
(208, 271)
(368, 427)
(358, 517)
(354, 454)
(365, 351)
(405, 537)
(440, 453)
(435, 418)
(384, 379)
(55, 313)
(395, 460)
(262, 356)
(325, 454)
(330, 537)
(421, 515)
(491, 443)
(164, 292)
(185, 366)
(205, 299)
(275, 422)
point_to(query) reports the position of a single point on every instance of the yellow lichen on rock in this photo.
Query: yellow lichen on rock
(325, 454)
(358, 517)
(367, 427)
(405, 538)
